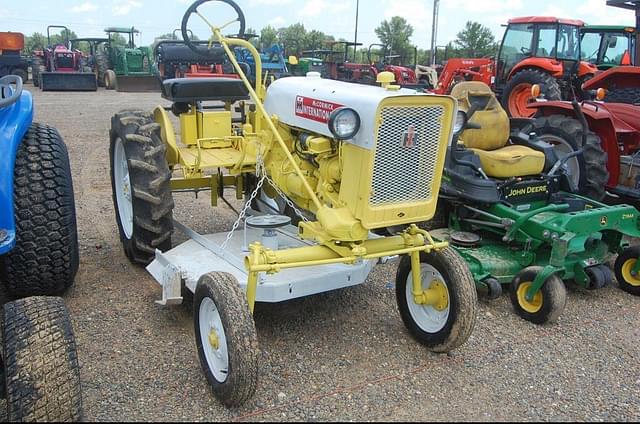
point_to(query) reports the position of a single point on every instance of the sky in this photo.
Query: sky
(337, 17)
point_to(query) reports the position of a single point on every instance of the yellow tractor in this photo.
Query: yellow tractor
(340, 160)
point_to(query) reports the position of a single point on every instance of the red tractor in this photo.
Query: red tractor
(58, 68)
(405, 76)
(535, 50)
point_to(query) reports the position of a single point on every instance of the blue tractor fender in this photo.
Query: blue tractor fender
(15, 121)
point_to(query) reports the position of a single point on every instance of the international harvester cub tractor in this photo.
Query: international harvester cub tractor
(510, 210)
(342, 159)
(59, 68)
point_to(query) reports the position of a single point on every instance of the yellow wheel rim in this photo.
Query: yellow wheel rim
(533, 306)
(634, 280)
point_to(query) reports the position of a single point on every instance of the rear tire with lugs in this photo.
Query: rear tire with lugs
(517, 91)
(140, 179)
(41, 367)
(624, 95)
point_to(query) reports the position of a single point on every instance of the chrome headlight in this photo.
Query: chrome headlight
(460, 123)
(344, 123)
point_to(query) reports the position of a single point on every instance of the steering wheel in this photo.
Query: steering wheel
(5, 82)
(194, 10)
(525, 51)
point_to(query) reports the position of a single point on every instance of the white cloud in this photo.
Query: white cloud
(84, 7)
(277, 21)
(314, 8)
(124, 7)
(487, 7)
(254, 3)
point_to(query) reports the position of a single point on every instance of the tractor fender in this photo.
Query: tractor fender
(610, 121)
(618, 77)
(550, 66)
(15, 121)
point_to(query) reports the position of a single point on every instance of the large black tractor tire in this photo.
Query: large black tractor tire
(624, 95)
(45, 258)
(22, 73)
(594, 174)
(102, 65)
(233, 376)
(150, 222)
(37, 67)
(40, 363)
(518, 89)
(441, 331)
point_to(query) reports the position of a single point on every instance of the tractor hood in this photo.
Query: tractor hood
(307, 103)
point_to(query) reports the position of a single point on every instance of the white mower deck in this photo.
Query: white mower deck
(202, 254)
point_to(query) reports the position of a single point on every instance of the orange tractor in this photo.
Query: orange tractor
(535, 50)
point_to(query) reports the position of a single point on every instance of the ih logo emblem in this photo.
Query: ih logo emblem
(410, 137)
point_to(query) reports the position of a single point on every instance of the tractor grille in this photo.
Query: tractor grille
(406, 155)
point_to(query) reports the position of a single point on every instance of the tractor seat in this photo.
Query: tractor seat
(499, 158)
(191, 90)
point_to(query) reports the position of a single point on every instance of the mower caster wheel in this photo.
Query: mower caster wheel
(628, 280)
(440, 326)
(547, 305)
(226, 338)
(494, 289)
(597, 278)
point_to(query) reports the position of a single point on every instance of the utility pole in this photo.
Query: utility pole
(355, 47)
(434, 30)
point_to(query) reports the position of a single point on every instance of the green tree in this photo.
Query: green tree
(292, 37)
(35, 41)
(475, 40)
(395, 34)
(268, 37)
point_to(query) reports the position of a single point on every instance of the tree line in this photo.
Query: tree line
(474, 40)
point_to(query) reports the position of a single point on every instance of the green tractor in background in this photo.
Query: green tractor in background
(608, 46)
(126, 68)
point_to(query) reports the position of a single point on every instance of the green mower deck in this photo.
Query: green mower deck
(570, 243)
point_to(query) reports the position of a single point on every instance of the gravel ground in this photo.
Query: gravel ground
(339, 356)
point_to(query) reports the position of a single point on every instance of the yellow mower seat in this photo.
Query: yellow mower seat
(511, 161)
(499, 159)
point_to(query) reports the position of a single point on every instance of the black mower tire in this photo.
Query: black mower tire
(41, 369)
(45, 259)
(628, 283)
(102, 66)
(150, 177)
(463, 301)
(549, 86)
(239, 333)
(594, 174)
(623, 95)
(553, 292)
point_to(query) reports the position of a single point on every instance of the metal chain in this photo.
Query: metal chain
(262, 174)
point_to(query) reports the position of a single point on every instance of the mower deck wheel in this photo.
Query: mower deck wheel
(627, 279)
(226, 338)
(440, 330)
(547, 305)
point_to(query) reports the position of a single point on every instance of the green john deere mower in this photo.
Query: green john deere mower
(508, 209)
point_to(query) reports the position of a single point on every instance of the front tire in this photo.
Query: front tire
(140, 181)
(45, 258)
(565, 133)
(547, 305)
(517, 92)
(624, 271)
(226, 338)
(110, 80)
(41, 367)
(439, 329)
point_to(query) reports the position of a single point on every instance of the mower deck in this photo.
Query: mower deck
(68, 81)
(202, 254)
